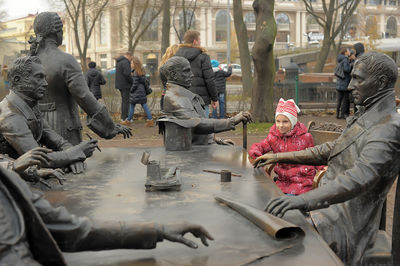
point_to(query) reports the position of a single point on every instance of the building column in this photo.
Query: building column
(382, 24)
(303, 29)
(203, 26)
(298, 29)
(209, 28)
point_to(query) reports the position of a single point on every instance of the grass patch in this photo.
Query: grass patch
(256, 128)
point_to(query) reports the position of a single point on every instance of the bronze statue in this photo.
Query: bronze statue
(35, 233)
(362, 164)
(67, 86)
(22, 127)
(184, 108)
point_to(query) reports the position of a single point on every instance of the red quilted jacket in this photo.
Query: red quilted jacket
(292, 178)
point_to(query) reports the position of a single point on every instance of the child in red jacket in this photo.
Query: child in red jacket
(288, 135)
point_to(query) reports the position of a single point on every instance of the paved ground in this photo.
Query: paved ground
(149, 137)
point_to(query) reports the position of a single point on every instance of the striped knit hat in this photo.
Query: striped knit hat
(289, 109)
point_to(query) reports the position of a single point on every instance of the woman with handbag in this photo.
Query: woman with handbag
(343, 101)
(138, 93)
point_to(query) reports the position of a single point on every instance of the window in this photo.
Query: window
(391, 27)
(371, 28)
(151, 33)
(282, 22)
(282, 36)
(250, 21)
(186, 22)
(103, 61)
(221, 26)
(103, 30)
(373, 2)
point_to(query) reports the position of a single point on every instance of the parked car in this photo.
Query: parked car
(236, 69)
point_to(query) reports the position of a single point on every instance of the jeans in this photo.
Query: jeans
(132, 111)
(221, 103)
(343, 104)
(124, 103)
(207, 110)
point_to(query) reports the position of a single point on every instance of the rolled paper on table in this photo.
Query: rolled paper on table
(275, 227)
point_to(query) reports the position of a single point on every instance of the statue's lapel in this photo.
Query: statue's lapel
(348, 137)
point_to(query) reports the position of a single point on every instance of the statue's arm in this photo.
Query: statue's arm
(208, 126)
(52, 139)
(99, 120)
(377, 156)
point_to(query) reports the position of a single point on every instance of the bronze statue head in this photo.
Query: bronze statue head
(372, 73)
(177, 71)
(49, 24)
(27, 77)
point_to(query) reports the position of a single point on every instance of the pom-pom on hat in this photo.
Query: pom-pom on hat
(289, 109)
(214, 63)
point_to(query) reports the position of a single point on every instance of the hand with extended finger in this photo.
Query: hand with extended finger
(176, 232)
(265, 159)
(242, 117)
(37, 156)
(280, 205)
(124, 130)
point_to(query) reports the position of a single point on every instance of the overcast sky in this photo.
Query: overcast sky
(21, 8)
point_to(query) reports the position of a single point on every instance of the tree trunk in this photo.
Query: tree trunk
(263, 57)
(324, 52)
(166, 25)
(243, 43)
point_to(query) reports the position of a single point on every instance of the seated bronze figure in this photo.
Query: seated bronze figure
(22, 126)
(362, 164)
(184, 108)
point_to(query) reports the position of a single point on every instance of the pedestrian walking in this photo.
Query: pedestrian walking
(123, 81)
(220, 84)
(138, 93)
(94, 79)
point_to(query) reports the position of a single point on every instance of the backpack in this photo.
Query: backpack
(339, 71)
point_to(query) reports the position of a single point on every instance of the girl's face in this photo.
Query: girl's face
(283, 124)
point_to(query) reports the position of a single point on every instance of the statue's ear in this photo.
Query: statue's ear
(173, 75)
(16, 79)
(383, 79)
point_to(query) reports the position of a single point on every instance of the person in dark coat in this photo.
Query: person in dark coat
(359, 50)
(94, 79)
(138, 93)
(343, 101)
(123, 81)
(220, 84)
(203, 83)
(35, 233)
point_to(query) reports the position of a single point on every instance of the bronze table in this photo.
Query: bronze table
(113, 189)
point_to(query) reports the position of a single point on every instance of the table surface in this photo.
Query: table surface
(112, 189)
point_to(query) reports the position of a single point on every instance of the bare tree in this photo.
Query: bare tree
(83, 15)
(263, 58)
(188, 18)
(243, 43)
(135, 20)
(333, 19)
(166, 25)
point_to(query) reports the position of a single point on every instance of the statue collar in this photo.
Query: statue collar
(22, 106)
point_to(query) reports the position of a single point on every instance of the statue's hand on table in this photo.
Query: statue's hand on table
(224, 141)
(47, 173)
(77, 167)
(242, 117)
(124, 130)
(175, 233)
(37, 156)
(265, 159)
(280, 205)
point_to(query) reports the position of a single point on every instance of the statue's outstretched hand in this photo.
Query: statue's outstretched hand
(242, 117)
(124, 130)
(265, 159)
(37, 156)
(280, 205)
(176, 232)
